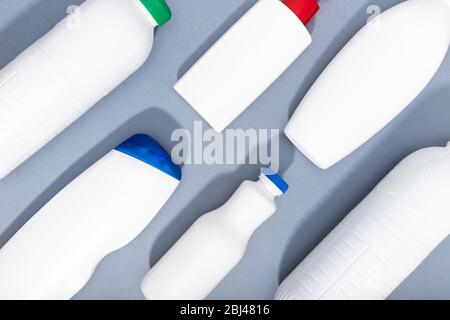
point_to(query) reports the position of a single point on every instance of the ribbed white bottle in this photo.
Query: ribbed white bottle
(215, 244)
(384, 238)
(68, 70)
(55, 253)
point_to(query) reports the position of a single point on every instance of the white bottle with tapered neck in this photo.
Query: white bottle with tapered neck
(68, 70)
(375, 76)
(384, 238)
(215, 244)
(56, 252)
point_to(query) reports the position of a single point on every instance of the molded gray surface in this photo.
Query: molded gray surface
(146, 102)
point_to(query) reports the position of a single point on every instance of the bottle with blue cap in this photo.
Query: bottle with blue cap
(215, 244)
(55, 253)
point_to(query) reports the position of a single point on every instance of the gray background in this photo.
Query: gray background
(317, 200)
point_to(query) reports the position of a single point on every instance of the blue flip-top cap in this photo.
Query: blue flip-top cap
(276, 179)
(146, 149)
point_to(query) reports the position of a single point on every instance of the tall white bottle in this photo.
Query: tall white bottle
(248, 58)
(375, 76)
(55, 253)
(384, 238)
(70, 69)
(215, 244)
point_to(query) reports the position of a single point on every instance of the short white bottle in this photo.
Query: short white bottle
(215, 244)
(247, 59)
(56, 252)
(68, 70)
(384, 238)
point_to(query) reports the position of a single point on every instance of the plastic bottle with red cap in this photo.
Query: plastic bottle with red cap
(248, 58)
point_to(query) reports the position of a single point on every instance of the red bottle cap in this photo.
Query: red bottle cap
(303, 9)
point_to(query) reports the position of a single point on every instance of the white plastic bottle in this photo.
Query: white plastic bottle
(375, 76)
(68, 70)
(239, 67)
(215, 244)
(55, 253)
(384, 238)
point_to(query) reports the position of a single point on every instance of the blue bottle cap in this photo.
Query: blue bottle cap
(146, 149)
(275, 179)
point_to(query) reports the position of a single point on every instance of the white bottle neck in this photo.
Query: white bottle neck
(152, 20)
(149, 16)
(269, 186)
(251, 205)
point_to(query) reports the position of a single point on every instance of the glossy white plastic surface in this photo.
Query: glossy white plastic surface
(213, 246)
(384, 238)
(375, 76)
(244, 62)
(67, 71)
(56, 252)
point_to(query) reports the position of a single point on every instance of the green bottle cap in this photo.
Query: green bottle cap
(159, 10)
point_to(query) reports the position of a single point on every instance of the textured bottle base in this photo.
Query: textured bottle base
(349, 264)
(384, 238)
(27, 121)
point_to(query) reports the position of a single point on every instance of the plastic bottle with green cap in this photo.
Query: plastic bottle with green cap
(63, 74)
(215, 244)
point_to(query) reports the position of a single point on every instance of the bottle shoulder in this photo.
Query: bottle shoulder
(426, 169)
